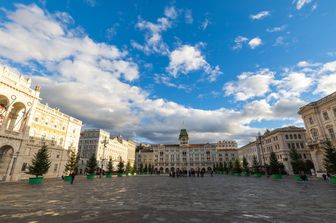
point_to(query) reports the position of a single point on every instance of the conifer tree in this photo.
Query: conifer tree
(230, 166)
(120, 166)
(40, 162)
(145, 169)
(128, 167)
(245, 165)
(225, 167)
(256, 166)
(110, 167)
(92, 164)
(72, 163)
(274, 164)
(297, 163)
(141, 168)
(237, 166)
(330, 157)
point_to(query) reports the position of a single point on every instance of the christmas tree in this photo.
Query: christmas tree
(256, 166)
(92, 164)
(245, 165)
(40, 163)
(330, 157)
(72, 163)
(110, 167)
(237, 166)
(274, 164)
(128, 168)
(297, 163)
(120, 166)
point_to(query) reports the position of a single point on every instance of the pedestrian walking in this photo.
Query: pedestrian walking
(73, 175)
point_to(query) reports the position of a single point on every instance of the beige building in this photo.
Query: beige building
(185, 156)
(319, 118)
(105, 147)
(26, 124)
(280, 141)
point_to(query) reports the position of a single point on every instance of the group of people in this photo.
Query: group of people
(326, 177)
(190, 173)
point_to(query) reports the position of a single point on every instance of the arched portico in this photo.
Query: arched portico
(6, 154)
(16, 117)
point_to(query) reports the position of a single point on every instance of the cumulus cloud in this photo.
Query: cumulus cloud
(250, 85)
(260, 15)
(241, 40)
(300, 3)
(188, 58)
(255, 42)
(153, 33)
(93, 82)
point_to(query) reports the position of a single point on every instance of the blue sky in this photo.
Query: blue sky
(227, 69)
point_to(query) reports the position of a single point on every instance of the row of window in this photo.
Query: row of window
(293, 136)
(325, 115)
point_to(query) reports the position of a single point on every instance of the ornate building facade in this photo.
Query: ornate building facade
(26, 124)
(185, 156)
(105, 147)
(280, 141)
(319, 118)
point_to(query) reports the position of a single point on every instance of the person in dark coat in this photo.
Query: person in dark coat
(73, 175)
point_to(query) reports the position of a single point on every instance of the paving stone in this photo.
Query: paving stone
(163, 199)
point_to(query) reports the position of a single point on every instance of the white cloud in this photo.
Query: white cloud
(255, 42)
(153, 37)
(279, 41)
(91, 81)
(276, 29)
(239, 41)
(295, 83)
(188, 58)
(326, 84)
(301, 3)
(188, 16)
(307, 64)
(205, 24)
(250, 85)
(170, 12)
(160, 79)
(260, 15)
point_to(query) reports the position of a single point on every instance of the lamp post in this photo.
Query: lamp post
(104, 142)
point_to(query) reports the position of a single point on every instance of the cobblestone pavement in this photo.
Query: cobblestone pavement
(164, 199)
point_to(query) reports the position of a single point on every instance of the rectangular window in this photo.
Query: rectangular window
(289, 145)
(325, 115)
(311, 120)
(331, 133)
(55, 167)
(24, 167)
(334, 109)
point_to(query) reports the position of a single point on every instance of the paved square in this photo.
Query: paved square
(164, 199)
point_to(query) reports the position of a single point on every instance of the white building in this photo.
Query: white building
(26, 124)
(319, 118)
(279, 141)
(105, 147)
(185, 156)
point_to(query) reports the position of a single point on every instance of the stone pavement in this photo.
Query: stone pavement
(164, 199)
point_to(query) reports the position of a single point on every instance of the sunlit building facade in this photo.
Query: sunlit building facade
(105, 147)
(26, 124)
(279, 141)
(185, 156)
(319, 118)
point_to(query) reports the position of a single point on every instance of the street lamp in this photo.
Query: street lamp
(104, 142)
